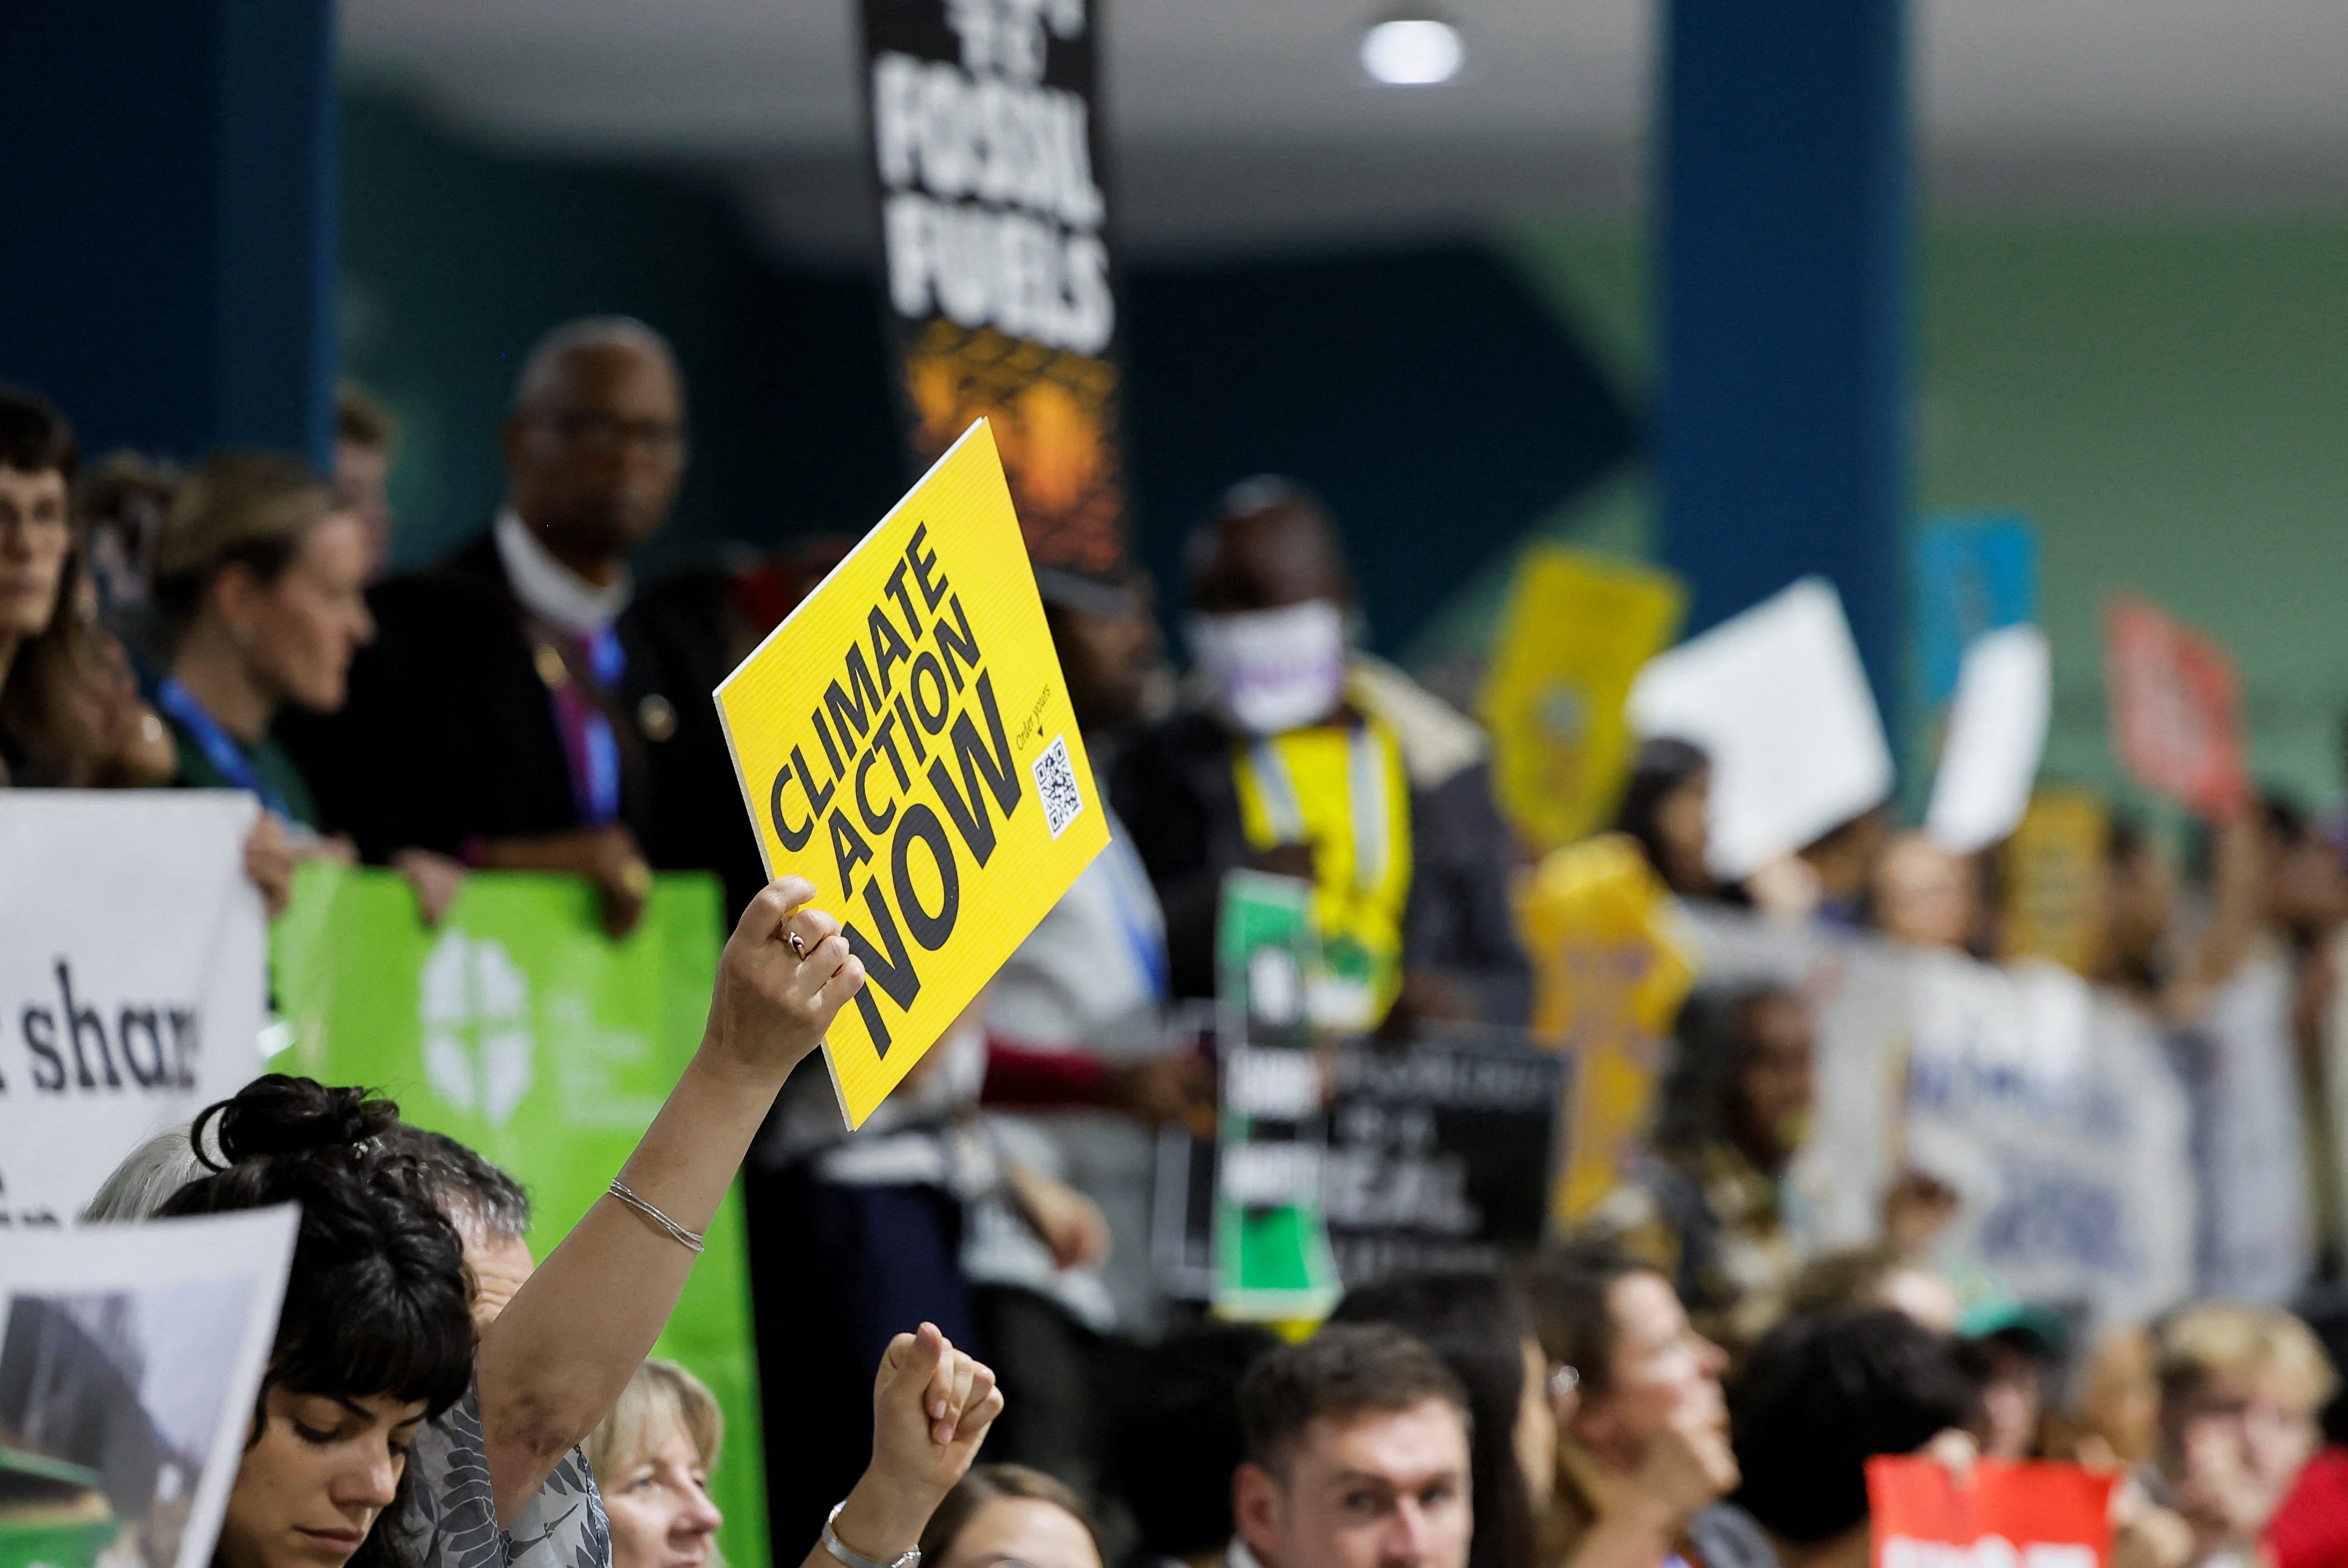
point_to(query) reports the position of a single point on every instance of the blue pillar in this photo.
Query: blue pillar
(168, 279)
(1781, 425)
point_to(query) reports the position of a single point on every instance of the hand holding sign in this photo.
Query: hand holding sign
(785, 975)
(904, 742)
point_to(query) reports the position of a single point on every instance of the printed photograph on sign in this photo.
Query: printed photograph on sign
(905, 741)
(130, 1357)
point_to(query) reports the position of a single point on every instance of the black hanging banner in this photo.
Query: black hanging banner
(986, 144)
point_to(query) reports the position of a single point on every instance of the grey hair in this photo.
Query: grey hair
(468, 1188)
(138, 1186)
(587, 332)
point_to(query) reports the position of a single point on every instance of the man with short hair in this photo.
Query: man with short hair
(1357, 1456)
(488, 1206)
(1821, 1396)
(515, 712)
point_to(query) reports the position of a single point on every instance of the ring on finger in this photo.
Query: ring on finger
(797, 943)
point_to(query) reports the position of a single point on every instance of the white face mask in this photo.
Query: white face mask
(1273, 670)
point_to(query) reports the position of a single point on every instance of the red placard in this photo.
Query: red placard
(2177, 708)
(2004, 1516)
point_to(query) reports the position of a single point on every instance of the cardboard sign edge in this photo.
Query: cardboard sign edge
(717, 692)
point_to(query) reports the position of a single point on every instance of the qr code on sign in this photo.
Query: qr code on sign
(1055, 781)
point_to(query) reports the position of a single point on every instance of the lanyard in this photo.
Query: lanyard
(230, 760)
(1365, 804)
(588, 743)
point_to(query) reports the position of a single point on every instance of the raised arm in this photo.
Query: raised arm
(2239, 879)
(560, 1352)
(931, 1407)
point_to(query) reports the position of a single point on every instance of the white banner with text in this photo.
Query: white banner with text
(133, 980)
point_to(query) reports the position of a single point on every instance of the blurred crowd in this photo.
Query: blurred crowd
(1684, 1375)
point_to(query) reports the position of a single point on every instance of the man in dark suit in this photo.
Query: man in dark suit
(521, 708)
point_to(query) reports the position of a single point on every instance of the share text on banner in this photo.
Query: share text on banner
(104, 1041)
(905, 741)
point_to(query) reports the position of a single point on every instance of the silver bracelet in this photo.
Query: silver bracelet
(690, 1240)
(838, 1548)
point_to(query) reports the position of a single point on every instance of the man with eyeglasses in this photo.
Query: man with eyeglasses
(518, 712)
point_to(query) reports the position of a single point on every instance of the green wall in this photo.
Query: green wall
(2171, 402)
(2168, 399)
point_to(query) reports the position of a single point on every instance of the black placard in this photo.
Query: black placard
(987, 154)
(1441, 1150)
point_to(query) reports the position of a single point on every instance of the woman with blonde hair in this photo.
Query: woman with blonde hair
(652, 1457)
(262, 581)
(2240, 1390)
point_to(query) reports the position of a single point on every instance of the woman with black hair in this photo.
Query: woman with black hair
(374, 1350)
(375, 1337)
(1663, 809)
(71, 716)
(1707, 1205)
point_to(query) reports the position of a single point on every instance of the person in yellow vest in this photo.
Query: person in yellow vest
(1297, 755)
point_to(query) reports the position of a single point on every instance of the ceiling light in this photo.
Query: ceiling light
(1411, 52)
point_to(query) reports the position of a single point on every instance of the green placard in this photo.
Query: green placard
(520, 1029)
(1272, 1259)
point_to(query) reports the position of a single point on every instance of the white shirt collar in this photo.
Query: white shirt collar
(551, 590)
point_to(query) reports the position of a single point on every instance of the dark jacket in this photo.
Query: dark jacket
(1175, 788)
(449, 735)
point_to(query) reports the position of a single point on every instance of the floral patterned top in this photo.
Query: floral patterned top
(451, 1518)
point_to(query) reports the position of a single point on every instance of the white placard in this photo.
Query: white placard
(129, 1358)
(1777, 698)
(133, 980)
(2053, 1108)
(2258, 1241)
(1997, 733)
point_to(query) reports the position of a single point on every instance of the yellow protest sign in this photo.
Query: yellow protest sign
(1578, 629)
(1610, 972)
(2052, 871)
(905, 741)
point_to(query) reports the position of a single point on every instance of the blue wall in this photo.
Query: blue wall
(1434, 401)
(169, 268)
(1781, 427)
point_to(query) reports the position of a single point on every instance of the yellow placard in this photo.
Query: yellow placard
(905, 741)
(1579, 627)
(2052, 874)
(1610, 972)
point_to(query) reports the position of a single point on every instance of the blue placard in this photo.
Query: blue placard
(1975, 572)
